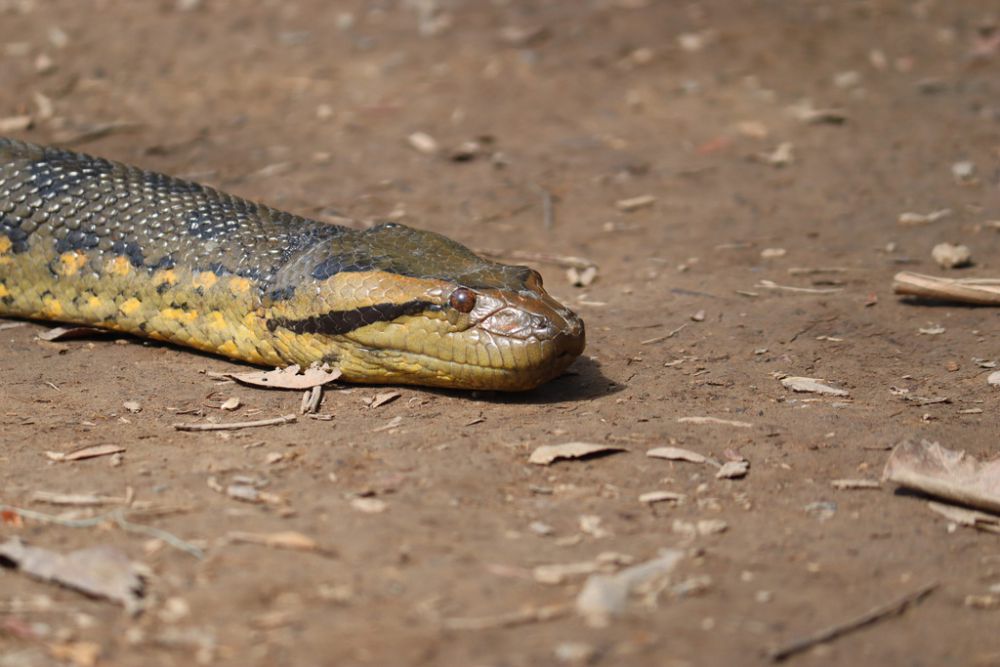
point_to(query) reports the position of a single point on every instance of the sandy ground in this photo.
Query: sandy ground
(307, 105)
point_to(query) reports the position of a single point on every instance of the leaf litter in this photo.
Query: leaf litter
(101, 571)
(548, 454)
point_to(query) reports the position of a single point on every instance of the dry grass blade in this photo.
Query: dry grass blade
(88, 452)
(274, 421)
(980, 291)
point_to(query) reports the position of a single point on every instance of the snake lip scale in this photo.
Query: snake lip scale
(90, 241)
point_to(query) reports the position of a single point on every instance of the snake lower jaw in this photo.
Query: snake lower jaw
(514, 371)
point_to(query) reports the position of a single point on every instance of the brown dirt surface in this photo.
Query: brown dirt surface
(307, 105)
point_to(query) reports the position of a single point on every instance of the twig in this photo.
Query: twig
(117, 516)
(565, 261)
(232, 426)
(11, 325)
(770, 284)
(881, 612)
(671, 334)
(981, 291)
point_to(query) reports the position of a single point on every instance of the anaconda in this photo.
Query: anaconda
(91, 241)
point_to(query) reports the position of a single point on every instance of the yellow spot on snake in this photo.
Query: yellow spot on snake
(185, 316)
(71, 262)
(217, 320)
(5, 244)
(52, 307)
(118, 266)
(94, 302)
(239, 285)
(3, 291)
(229, 349)
(6, 260)
(166, 276)
(205, 279)
(130, 306)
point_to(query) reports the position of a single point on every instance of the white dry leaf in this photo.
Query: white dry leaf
(231, 403)
(101, 571)
(288, 378)
(134, 407)
(89, 452)
(812, 386)
(772, 253)
(993, 379)
(733, 470)
(945, 473)
(936, 330)
(605, 596)
(676, 454)
(547, 454)
(70, 333)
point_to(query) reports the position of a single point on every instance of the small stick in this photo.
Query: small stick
(873, 615)
(671, 334)
(11, 325)
(770, 284)
(284, 419)
(981, 291)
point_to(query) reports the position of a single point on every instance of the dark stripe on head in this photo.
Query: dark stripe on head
(338, 322)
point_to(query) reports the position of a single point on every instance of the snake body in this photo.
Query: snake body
(91, 241)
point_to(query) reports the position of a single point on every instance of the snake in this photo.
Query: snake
(94, 242)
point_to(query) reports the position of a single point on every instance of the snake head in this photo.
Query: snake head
(393, 304)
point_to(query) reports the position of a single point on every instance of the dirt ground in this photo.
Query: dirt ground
(773, 137)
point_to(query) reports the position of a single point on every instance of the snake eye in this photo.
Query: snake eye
(463, 300)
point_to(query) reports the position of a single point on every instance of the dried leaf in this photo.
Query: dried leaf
(547, 454)
(952, 475)
(733, 470)
(677, 454)
(812, 386)
(380, 399)
(288, 378)
(89, 452)
(101, 571)
(70, 333)
(231, 403)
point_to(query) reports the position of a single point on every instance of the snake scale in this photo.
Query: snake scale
(90, 241)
